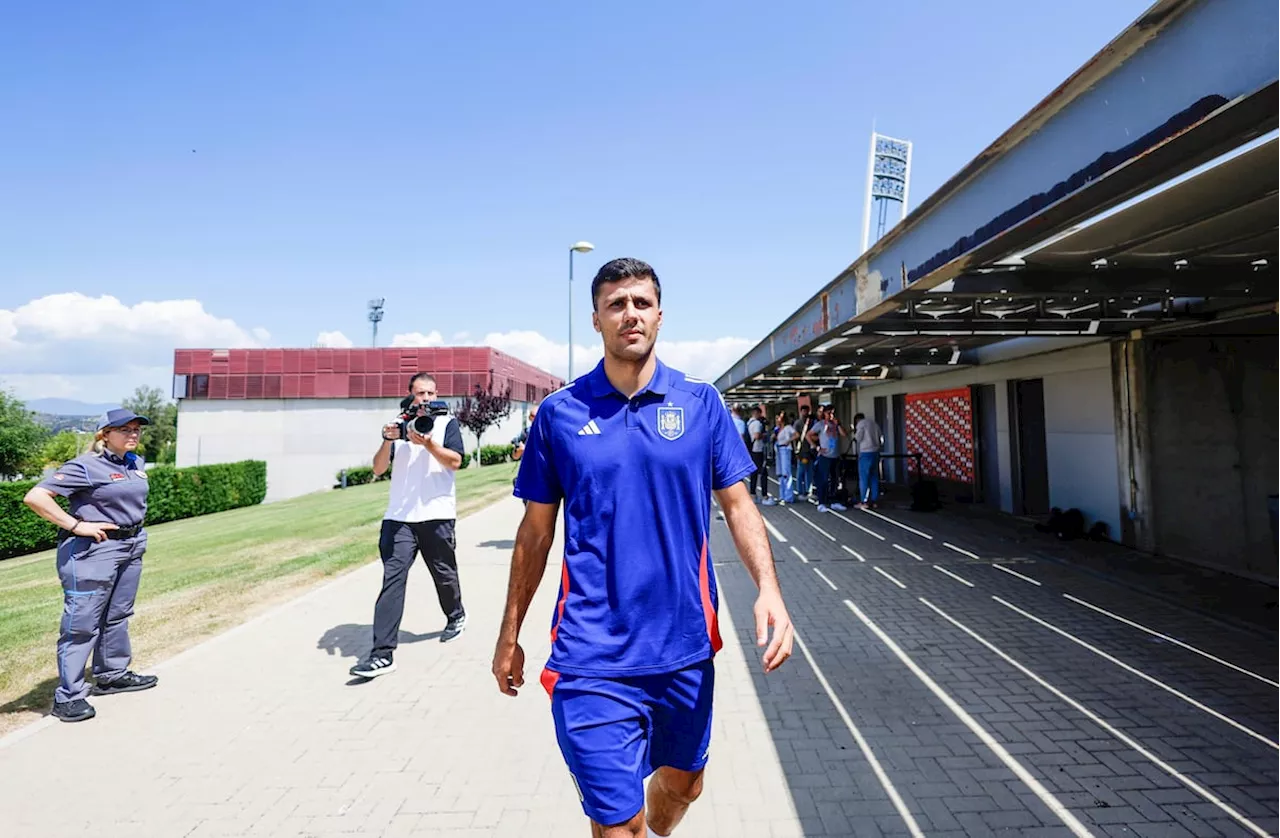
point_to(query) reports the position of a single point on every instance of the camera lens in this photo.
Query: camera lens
(424, 424)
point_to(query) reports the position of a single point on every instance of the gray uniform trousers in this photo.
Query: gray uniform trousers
(100, 583)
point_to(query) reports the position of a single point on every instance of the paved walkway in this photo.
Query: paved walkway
(261, 732)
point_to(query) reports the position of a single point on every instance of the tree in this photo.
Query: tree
(21, 437)
(159, 441)
(483, 410)
(60, 447)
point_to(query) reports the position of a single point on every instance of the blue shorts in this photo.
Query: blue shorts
(615, 732)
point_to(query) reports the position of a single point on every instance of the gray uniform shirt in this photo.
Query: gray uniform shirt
(103, 488)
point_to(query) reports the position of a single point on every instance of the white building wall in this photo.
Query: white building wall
(1079, 423)
(305, 442)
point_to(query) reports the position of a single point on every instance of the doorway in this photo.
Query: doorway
(986, 440)
(1031, 465)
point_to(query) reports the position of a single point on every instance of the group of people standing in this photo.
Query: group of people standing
(805, 451)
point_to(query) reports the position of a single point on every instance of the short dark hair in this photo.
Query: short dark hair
(858, 417)
(418, 376)
(620, 269)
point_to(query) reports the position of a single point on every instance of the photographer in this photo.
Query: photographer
(421, 514)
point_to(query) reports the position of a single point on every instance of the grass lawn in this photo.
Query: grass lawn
(204, 575)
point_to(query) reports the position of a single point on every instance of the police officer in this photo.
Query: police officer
(99, 561)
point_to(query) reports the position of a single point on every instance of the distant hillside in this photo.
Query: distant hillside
(69, 407)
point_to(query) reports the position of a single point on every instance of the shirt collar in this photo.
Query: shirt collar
(601, 386)
(128, 459)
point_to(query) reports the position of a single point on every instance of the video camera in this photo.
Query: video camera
(420, 417)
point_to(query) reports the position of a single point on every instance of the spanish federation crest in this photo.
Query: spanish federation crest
(671, 422)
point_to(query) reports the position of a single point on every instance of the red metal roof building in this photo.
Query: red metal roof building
(352, 373)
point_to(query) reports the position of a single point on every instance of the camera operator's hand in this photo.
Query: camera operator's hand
(390, 432)
(417, 438)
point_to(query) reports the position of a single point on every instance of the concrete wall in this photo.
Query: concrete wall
(304, 442)
(1211, 415)
(1079, 420)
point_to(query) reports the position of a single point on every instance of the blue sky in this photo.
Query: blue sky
(275, 165)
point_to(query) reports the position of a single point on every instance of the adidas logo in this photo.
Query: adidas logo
(589, 429)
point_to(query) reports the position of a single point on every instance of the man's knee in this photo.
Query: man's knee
(681, 786)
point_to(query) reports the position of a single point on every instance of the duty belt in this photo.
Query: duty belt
(124, 532)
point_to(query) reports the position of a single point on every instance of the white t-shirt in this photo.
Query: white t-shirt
(786, 435)
(421, 488)
(755, 426)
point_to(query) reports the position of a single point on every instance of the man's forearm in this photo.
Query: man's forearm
(382, 459)
(528, 563)
(752, 541)
(447, 457)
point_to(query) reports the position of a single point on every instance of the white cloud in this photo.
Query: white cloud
(432, 338)
(705, 359)
(334, 340)
(98, 348)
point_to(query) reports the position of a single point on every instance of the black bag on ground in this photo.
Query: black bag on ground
(924, 496)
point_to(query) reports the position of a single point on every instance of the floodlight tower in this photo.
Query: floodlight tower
(888, 182)
(375, 317)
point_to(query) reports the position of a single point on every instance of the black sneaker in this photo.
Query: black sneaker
(453, 628)
(373, 666)
(130, 682)
(75, 710)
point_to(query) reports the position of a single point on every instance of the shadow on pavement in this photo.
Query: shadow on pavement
(499, 544)
(352, 640)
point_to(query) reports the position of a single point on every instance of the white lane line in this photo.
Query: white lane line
(1008, 759)
(898, 524)
(1102, 723)
(915, 556)
(1016, 573)
(863, 745)
(812, 524)
(961, 550)
(852, 552)
(849, 520)
(1172, 640)
(1144, 676)
(885, 574)
(959, 579)
(825, 579)
(774, 530)
(798, 553)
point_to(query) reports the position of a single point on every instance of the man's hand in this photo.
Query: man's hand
(417, 438)
(770, 611)
(508, 667)
(391, 432)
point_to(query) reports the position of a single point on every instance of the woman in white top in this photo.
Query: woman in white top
(785, 435)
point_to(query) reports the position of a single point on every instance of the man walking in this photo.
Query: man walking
(634, 449)
(869, 440)
(421, 514)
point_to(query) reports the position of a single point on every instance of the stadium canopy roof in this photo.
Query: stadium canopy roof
(1141, 194)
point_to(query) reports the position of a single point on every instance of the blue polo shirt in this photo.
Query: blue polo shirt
(637, 593)
(103, 488)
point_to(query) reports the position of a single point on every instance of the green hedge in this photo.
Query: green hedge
(360, 475)
(175, 493)
(492, 455)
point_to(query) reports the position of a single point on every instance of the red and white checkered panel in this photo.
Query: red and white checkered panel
(939, 425)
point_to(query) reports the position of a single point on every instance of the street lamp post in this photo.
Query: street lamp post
(580, 247)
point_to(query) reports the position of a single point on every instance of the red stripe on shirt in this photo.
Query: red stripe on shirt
(708, 610)
(564, 595)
